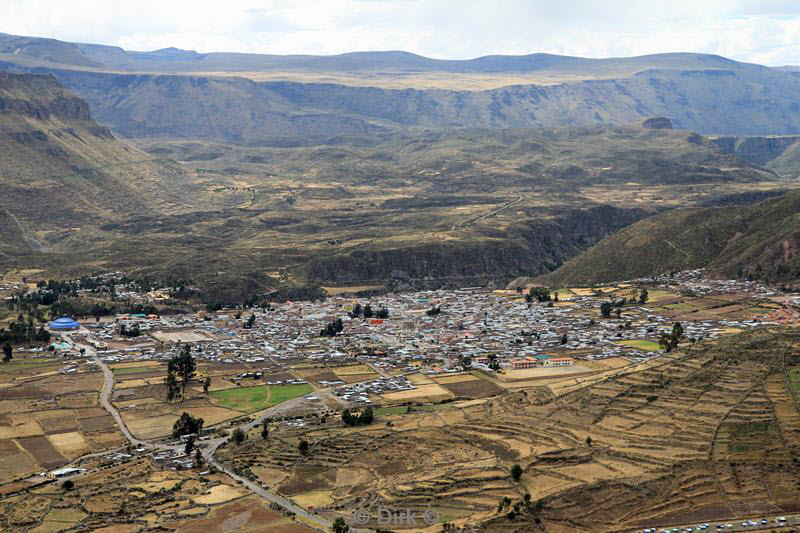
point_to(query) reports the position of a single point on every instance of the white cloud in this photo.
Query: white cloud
(758, 31)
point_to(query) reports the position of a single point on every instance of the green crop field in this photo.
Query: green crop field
(641, 344)
(794, 379)
(388, 411)
(134, 370)
(249, 399)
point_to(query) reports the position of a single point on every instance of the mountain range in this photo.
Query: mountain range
(268, 99)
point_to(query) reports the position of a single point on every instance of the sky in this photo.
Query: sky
(766, 32)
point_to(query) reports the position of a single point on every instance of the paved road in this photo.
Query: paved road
(792, 521)
(487, 215)
(207, 451)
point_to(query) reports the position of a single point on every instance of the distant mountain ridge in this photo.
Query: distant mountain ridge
(264, 99)
(171, 59)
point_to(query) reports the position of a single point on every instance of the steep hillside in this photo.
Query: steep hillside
(220, 107)
(760, 241)
(59, 169)
(198, 107)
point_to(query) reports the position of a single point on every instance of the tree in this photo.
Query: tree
(187, 425)
(643, 296)
(618, 312)
(368, 311)
(366, 417)
(347, 417)
(250, 321)
(183, 365)
(172, 386)
(357, 310)
(516, 472)
(665, 341)
(588, 440)
(382, 313)
(466, 362)
(68, 484)
(670, 341)
(564, 339)
(238, 436)
(504, 503)
(433, 311)
(187, 449)
(265, 430)
(302, 447)
(7, 352)
(206, 384)
(198, 457)
(605, 309)
(340, 526)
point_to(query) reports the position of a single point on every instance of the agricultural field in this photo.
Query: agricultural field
(469, 386)
(708, 431)
(48, 419)
(138, 495)
(794, 379)
(136, 370)
(355, 373)
(259, 397)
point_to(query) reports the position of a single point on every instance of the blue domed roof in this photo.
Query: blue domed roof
(64, 322)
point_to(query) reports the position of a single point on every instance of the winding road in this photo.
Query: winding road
(209, 448)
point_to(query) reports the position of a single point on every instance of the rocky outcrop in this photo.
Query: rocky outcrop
(657, 123)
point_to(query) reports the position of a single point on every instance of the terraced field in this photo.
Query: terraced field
(711, 431)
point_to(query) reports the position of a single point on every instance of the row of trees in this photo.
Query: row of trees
(21, 331)
(368, 312)
(363, 418)
(540, 294)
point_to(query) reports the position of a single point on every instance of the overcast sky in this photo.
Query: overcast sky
(766, 32)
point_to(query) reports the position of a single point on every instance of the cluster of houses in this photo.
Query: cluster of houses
(360, 392)
(475, 325)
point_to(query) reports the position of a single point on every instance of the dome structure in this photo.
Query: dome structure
(64, 323)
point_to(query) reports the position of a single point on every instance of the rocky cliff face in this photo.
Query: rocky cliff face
(757, 150)
(39, 97)
(528, 248)
(741, 100)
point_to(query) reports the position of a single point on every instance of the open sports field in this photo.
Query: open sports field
(249, 399)
(641, 344)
